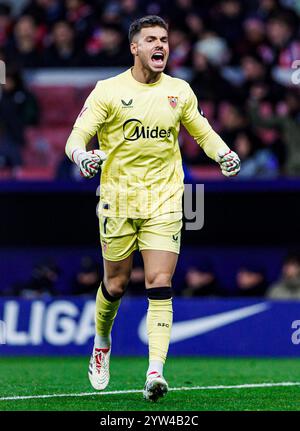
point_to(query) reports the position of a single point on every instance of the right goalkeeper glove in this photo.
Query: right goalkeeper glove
(89, 162)
(229, 162)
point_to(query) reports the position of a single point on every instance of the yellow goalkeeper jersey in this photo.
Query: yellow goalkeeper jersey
(137, 126)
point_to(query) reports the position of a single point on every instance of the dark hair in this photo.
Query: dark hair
(292, 257)
(146, 21)
(5, 9)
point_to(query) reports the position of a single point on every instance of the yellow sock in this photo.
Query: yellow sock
(159, 325)
(106, 311)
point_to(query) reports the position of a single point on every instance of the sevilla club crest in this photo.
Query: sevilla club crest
(173, 101)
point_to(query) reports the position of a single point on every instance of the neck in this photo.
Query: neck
(145, 76)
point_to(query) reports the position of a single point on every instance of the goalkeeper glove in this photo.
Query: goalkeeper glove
(89, 162)
(229, 162)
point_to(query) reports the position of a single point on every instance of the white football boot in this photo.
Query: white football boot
(99, 368)
(155, 387)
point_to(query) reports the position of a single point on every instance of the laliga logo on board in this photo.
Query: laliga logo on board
(58, 323)
(2, 332)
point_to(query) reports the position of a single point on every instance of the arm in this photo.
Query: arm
(92, 115)
(212, 144)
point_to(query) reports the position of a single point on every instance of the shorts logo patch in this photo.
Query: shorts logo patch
(175, 238)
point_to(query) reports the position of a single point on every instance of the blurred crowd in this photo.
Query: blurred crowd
(241, 57)
(200, 280)
(250, 281)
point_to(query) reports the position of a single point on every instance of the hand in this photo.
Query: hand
(89, 162)
(229, 162)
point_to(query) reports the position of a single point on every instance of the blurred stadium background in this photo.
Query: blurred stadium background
(241, 59)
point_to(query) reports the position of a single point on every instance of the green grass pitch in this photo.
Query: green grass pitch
(68, 375)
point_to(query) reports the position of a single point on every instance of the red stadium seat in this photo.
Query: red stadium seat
(42, 137)
(6, 174)
(206, 172)
(35, 173)
(60, 105)
(44, 150)
(45, 145)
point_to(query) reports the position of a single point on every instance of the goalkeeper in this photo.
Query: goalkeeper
(136, 116)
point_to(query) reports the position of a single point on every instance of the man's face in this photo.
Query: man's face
(291, 270)
(62, 34)
(278, 32)
(150, 46)
(248, 279)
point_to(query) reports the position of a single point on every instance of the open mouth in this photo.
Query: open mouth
(158, 58)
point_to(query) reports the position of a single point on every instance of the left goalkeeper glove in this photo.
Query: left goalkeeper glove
(89, 162)
(229, 162)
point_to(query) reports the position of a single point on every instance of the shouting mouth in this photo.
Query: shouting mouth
(158, 58)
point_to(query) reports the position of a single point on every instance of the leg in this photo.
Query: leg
(118, 240)
(159, 241)
(116, 277)
(159, 270)
(159, 267)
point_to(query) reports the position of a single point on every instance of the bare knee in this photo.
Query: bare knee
(116, 286)
(159, 279)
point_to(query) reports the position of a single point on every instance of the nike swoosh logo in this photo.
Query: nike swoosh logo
(192, 328)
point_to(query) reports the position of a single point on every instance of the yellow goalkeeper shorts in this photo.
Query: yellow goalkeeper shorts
(121, 236)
